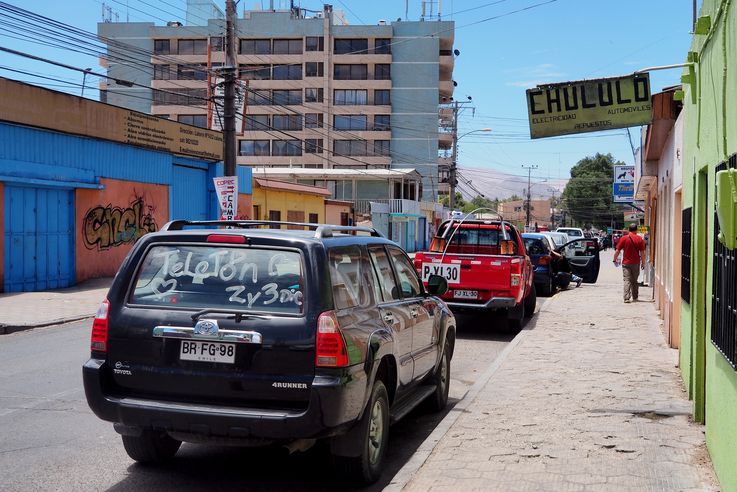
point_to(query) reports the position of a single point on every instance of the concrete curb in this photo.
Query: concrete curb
(408, 471)
(8, 329)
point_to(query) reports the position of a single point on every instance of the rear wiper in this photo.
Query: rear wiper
(239, 315)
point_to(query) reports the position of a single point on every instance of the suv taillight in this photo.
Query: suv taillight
(98, 340)
(330, 349)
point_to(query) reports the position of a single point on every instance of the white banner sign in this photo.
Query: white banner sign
(218, 94)
(226, 188)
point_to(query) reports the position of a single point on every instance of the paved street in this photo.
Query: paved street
(589, 399)
(50, 440)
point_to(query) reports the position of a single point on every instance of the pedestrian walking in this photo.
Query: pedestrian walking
(632, 247)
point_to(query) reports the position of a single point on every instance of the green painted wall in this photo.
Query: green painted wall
(710, 137)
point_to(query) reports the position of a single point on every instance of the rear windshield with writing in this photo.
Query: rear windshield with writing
(250, 279)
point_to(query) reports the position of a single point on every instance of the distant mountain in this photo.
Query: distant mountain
(497, 184)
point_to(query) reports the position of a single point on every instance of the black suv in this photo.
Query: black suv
(253, 336)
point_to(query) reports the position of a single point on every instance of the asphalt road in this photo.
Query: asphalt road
(50, 440)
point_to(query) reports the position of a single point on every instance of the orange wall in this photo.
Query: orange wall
(109, 221)
(332, 212)
(245, 206)
(2, 237)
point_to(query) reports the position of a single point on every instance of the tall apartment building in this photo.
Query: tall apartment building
(319, 93)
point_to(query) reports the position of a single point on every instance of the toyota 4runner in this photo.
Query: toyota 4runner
(252, 336)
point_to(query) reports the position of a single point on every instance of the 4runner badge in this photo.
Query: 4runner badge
(206, 327)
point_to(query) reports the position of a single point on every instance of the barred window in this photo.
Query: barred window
(686, 254)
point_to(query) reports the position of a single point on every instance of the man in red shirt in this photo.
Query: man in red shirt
(633, 260)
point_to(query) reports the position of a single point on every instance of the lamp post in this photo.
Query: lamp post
(453, 166)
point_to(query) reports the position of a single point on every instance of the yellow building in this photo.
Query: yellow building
(291, 202)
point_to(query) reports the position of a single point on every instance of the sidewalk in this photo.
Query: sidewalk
(25, 310)
(588, 397)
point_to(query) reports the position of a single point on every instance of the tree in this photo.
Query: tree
(588, 195)
(480, 202)
(460, 202)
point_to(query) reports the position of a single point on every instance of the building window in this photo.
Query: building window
(287, 98)
(217, 43)
(314, 219)
(314, 43)
(351, 46)
(381, 147)
(255, 72)
(313, 120)
(314, 69)
(383, 46)
(382, 71)
(381, 97)
(287, 47)
(257, 122)
(350, 72)
(163, 72)
(288, 72)
(193, 119)
(686, 255)
(313, 95)
(255, 46)
(382, 122)
(258, 98)
(349, 147)
(286, 122)
(350, 97)
(350, 122)
(314, 146)
(254, 147)
(161, 46)
(182, 97)
(286, 148)
(192, 72)
(192, 47)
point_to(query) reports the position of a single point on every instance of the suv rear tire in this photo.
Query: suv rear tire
(151, 447)
(438, 400)
(366, 467)
(530, 302)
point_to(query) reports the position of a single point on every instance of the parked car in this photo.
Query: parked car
(254, 336)
(486, 266)
(560, 239)
(573, 233)
(540, 249)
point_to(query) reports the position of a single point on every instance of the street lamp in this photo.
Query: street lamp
(453, 167)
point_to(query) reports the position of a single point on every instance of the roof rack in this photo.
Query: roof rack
(321, 230)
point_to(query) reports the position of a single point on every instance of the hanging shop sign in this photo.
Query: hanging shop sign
(623, 187)
(589, 105)
(226, 188)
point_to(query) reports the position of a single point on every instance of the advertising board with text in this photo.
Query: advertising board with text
(589, 105)
(226, 188)
(623, 188)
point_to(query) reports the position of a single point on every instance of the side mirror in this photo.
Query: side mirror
(437, 285)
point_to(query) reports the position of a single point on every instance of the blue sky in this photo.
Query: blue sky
(558, 41)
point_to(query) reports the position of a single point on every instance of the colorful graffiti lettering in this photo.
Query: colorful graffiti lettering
(106, 227)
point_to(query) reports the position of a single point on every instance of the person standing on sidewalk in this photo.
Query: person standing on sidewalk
(633, 260)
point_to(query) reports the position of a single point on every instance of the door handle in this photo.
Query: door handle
(389, 318)
(413, 312)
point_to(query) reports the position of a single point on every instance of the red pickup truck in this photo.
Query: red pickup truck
(486, 266)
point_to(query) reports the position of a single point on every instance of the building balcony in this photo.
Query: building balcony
(445, 140)
(395, 206)
(446, 89)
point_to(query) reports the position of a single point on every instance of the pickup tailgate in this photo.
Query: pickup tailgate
(471, 278)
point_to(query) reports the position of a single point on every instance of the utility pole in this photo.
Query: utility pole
(229, 74)
(453, 165)
(527, 202)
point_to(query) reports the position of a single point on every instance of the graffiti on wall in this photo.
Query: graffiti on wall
(108, 226)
